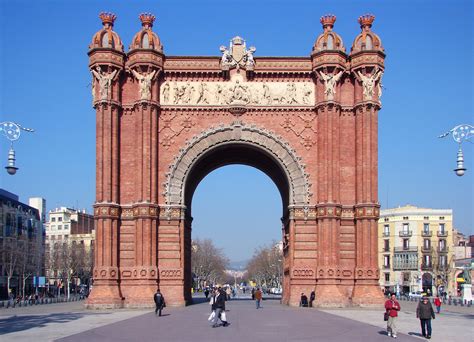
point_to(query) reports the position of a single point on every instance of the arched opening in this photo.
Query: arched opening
(247, 157)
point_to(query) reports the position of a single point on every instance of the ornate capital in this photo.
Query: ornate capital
(329, 211)
(170, 273)
(172, 212)
(145, 210)
(139, 272)
(303, 272)
(106, 273)
(106, 211)
(366, 273)
(334, 272)
(367, 211)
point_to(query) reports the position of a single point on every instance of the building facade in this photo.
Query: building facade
(164, 122)
(416, 249)
(21, 246)
(70, 233)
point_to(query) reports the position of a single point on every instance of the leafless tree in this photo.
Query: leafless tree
(29, 259)
(11, 255)
(266, 266)
(208, 262)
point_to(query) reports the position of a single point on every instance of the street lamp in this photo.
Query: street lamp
(460, 134)
(12, 131)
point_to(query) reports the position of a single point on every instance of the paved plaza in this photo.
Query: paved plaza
(275, 322)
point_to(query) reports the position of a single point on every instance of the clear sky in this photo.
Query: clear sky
(45, 85)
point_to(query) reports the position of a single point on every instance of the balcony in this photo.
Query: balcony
(443, 233)
(443, 249)
(386, 234)
(425, 249)
(427, 267)
(405, 249)
(407, 233)
(428, 233)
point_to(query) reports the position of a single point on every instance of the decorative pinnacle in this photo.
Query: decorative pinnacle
(147, 19)
(366, 21)
(328, 21)
(107, 18)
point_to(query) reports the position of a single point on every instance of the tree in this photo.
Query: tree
(29, 259)
(266, 266)
(208, 262)
(11, 255)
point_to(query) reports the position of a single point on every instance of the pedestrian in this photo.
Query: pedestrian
(437, 303)
(425, 312)
(312, 297)
(303, 301)
(228, 292)
(392, 307)
(206, 292)
(159, 302)
(253, 293)
(219, 304)
(258, 297)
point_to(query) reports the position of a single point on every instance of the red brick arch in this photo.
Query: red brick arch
(165, 122)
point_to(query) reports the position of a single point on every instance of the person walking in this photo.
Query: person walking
(159, 302)
(206, 292)
(253, 293)
(437, 303)
(258, 297)
(425, 312)
(312, 297)
(392, 307)
(219, 304)
(303, 301)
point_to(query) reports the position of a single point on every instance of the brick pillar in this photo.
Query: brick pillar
(366, 289)
(106, 291)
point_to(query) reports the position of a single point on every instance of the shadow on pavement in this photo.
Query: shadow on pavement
(411, 333)
(25, 322)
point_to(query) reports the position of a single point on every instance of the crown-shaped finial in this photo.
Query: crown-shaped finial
(147, 19)
(107, 18)
(366, 20)
(328, 21)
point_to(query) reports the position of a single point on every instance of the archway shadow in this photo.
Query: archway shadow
(19, 323)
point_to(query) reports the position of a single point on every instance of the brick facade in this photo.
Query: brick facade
(164, 123)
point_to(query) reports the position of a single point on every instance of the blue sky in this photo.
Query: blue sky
(44, 84)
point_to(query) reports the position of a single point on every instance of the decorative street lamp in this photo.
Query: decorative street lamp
(460, 134)
(11, 131)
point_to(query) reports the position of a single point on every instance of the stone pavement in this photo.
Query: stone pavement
(275, 322)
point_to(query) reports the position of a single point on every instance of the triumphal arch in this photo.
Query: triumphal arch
(164, 122)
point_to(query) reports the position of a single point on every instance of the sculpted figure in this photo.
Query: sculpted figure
(368, 82)
(291, 93)
(266, 94)
(219, 94)
(176, 93)
(203, 94)
(188, 92)
(248, 58)
(226, 59)
(239, 93)
(166, 92)
(379, 86)
(145, 83)
(330, 82)
(306, 93)
(105, 82)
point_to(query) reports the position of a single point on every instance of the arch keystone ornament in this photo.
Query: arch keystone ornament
(165, 122)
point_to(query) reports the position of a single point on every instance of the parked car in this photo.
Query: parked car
(417, 294)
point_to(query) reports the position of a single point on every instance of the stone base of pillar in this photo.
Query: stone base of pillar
(104, 297)
(330, 296)
(174, 294)
(139, 294)
(367, 295)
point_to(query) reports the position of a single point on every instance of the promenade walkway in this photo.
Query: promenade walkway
(275, 322)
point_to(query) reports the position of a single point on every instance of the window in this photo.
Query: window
(426, 243)
(386, 261)
(405, 227)
(386, 229)
(60, 219)
(443, 260)
(406, 276)
(441, 228)
(386, 245)
(427, 260)
(426, 227)
(442, 245)
(406, 243)
(53, 219)
(60, 226)
(66, 226)
(387, 277)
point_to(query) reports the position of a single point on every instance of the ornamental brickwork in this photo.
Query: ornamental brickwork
(164, 122)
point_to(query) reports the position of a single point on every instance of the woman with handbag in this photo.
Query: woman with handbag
(391, 313)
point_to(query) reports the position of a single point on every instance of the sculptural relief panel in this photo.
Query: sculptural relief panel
(237, 92)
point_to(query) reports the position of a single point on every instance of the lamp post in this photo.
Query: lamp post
(12, 132)
(460, 134)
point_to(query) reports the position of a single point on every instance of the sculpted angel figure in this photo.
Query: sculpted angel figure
(105, 82)
(145, 83)
(368, 82)
(330, 82)
(166, 92)
(248, 58)
(226, 59)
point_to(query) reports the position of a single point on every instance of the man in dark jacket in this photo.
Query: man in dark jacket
(425, 312)
(159, 302)
(219, 305)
